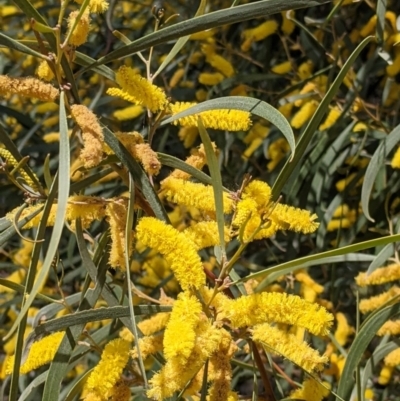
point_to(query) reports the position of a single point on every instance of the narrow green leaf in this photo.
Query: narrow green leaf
(207, 21)
(360, 344)
(334, 252)
(63, 192)
(139, 176)
(381, 258)
(215, 172)
(380, 23)
(16, 45)
(375, 164)
(20, 288)
(312, 126)
(254, 106)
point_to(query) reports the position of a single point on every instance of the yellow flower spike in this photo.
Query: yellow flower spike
(92, 134)
(343, 329)
(188, 135)
(79, 35)
(140, 89)
(197, 159)
(108, 371)
(369, 27)
(187, 309)
(257, 131)
(120, 392)
(391, 328)
(331, 119)
(343, 183)
(116, 212)
(44, 72)
(28, 87)
(370, 304)
(204, 234)
(176, 78)
(280, 308)
(282, 68)
(304, 114)
(385, 375)
(277, 150)
(98, 6)
(244, 209)
(148, 158)
(220, 64)
(294, 219)
(128, 113)
(40, 353)
(121, 94)
(10, 160)
(395, 163)
(379, 276)
(258, 190)
(288, 25)
(305, 70)
(178, 251)
(210, 78)
(288, 346)
(312, 390)
(194, 194)
(303, 277)
(149, 345)
(261, 31)
(173, 376)
(229, 120)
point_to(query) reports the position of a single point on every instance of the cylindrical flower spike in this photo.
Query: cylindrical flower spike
(176, 248)
(379, 276)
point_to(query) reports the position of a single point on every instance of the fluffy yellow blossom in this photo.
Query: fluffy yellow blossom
(173, 376)
(370, 304)
(305, 70)
(331, 119)
(128, 113)
(92, 135)
(40, 353)
(229, 120)
(12, 162)
(186, 310)
(385, 375)
(288, 25)
(343, 329)
(148, 345)
(312, 390)
(44, 72)
(282, 68)
(395, 163)
(108, 371)
(188, 135)
(120, 392)
(391, 327)
(220, 64)
(28, 87)
(204, 234)
(210, 78)
(80, 33)
(258, 33)
(393, 358)
(194, 194)
(176, 248)
(288, 346)
(280, 308)
(379, 276)
(140, 89)
(304, 114)
(98, 6)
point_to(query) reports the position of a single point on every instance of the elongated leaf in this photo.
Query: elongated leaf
(21, 289)
(312, 126)
(216, 183)
(254, 106)
(288, 267)
(360, 344)
(63, 193)
(96, 315)
(139, 176)
(381, 258)
(335, 252)
(375, 164)
(380, 23)
(208, 21)
(16, 45)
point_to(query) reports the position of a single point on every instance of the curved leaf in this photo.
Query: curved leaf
(254, 106)
(381, 258)
(376, 162)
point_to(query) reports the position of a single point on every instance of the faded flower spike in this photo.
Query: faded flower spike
(28, 87)
(92, 135)
(225, 119)
(178, 251)
(41, 353)
(140, 89)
